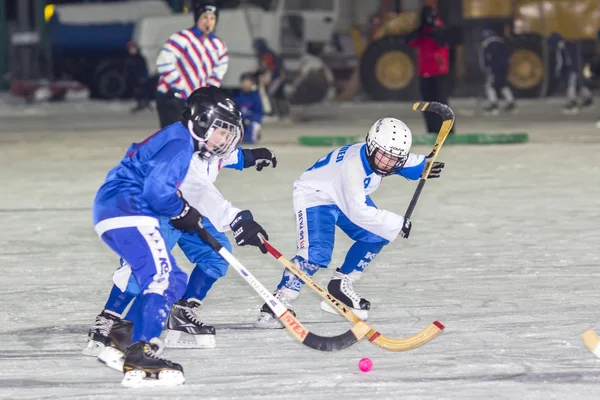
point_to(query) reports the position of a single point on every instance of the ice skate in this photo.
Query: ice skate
(144, 366)
(99, 331)
(571, 108)
(491, 110)
(186, 330)
(511, 108)
(267, 319)
(586, 102)
(119, 339)
(341, 287)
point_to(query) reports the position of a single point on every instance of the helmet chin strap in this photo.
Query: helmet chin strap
(199, 143)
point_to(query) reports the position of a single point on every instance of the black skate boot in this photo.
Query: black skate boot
(491, 109)
(586, 102)
(186, 330)
(571, 108)
(267, 318)
(119, 339)
(99, 331)
(341, 287)
(144, 367)
(511, 108)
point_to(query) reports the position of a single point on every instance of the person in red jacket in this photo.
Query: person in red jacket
(432, 61)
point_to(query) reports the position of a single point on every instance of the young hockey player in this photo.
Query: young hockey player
(493, 59)
(335, 192)
(126, 212)
(110, 334)
(185, 327)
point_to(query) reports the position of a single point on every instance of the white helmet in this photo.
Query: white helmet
(388, 144)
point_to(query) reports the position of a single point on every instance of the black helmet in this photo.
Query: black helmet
(200, 7)
(206, 110)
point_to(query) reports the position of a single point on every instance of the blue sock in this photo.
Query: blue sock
(154, 312)
(198, 285)
(117, 300)
(134, 312)
(360, 255)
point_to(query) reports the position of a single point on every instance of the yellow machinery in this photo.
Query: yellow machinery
(388, 69)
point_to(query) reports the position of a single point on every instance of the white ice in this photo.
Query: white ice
(503, 251)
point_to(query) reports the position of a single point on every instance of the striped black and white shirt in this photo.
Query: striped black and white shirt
(189, 61)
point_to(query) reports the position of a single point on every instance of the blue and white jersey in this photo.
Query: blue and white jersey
(345, 178)
(200, 192)
(146, 181)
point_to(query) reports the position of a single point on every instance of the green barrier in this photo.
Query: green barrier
(463, 138)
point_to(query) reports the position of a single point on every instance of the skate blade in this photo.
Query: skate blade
(271, 323)
(362, 314)
(183, 340)
(112, 358)
(93, 348)
(139, 379)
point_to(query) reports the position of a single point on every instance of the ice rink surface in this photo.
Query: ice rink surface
(504, 251)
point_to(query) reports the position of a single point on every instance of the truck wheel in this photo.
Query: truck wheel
(525, 65)
(388, 71)
(109, 82)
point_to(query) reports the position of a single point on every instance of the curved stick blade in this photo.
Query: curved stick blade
(443, 110)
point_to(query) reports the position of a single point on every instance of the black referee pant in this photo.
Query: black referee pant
(169, 108)
(434, 88)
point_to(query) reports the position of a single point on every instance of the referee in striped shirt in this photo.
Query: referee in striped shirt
(190, 59)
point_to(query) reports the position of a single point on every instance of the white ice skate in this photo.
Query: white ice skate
(268, 320)
(186, 330)
(341, 287)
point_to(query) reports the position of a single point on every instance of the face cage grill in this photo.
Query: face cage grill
(392, 164)
(226, 146)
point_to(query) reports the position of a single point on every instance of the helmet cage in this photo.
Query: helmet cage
(218, 140)
(385, 161)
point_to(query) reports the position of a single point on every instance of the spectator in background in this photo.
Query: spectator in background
(493, 59)
(136, 71)
(274, 75)
(596, 72)
(569, 69)
(432, 61)
(249, 103)
(190, 59)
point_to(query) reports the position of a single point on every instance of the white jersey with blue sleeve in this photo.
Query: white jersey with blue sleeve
(345, 178)
(200, 192)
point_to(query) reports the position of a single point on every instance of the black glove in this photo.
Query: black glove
(436, 170)
(188, 218)
(405, 231)
(246, 230)
(260, 157)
